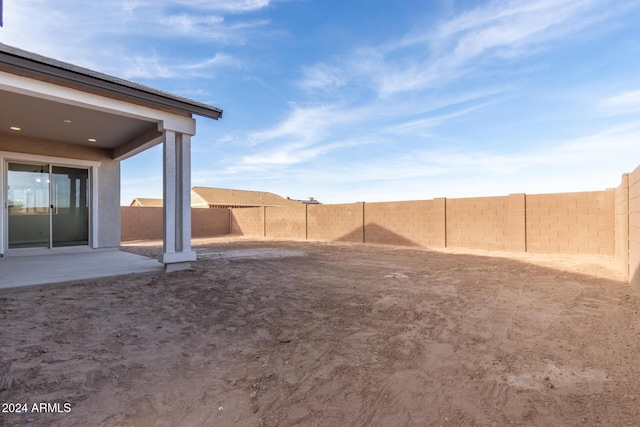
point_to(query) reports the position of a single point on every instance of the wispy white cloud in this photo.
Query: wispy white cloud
(417, 127)
(499, 30)
(408, 69)
(302, 125)
(70, 31)
(423, 173)
(283, 156)
(494, 34)
(219, 59)
(626, 102)
(322, 77)
(309, 132)
(229, 6)
(151, 67)
(192, 24)
(146, 68)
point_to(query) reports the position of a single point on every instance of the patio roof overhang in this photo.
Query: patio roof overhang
(53, 100)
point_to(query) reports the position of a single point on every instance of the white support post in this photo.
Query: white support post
(177, 254)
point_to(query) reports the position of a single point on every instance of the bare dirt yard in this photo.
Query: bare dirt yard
(275, 333)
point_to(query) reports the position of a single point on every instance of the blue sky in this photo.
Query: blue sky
(371, 100)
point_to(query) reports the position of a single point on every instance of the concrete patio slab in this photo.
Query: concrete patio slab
(18, 271)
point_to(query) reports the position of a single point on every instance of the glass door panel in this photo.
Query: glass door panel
(70, 206)
(28, 206)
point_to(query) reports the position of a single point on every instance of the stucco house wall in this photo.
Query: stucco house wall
(109, 204)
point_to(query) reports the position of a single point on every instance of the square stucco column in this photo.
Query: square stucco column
(177, 254)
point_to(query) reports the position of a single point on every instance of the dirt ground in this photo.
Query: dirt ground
(274, 333)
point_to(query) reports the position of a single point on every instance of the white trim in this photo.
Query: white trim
(59, 161)
(169, 192)
(92, 166)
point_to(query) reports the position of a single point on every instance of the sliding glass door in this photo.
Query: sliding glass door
(29, 211)
(70, 206)
(48, 206)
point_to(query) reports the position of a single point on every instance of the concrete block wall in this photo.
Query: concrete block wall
(543, 223)
(248, 222)
(571, 222)
(286, 222)
(140, 223)
(634, 228)
(210, 222)
(515, 232)
(596, 222)
(414, 223)
(486, 223)
(621, 225)
(343, 223)
(145, 223)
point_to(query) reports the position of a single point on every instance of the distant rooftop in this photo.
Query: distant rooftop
(237, 198)
(225, 198)
(146, 202)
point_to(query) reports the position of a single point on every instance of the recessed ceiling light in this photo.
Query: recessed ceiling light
(92, 140)
(15, 128)
(67, 121)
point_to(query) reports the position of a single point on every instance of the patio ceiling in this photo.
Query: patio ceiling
(50, 120)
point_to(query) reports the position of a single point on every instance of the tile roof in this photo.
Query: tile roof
(230, 197)
(144, 202)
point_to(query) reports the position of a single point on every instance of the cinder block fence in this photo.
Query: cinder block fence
(543, 223)
(145, 223)
(595, 222)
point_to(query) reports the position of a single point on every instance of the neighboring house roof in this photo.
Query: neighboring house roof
(144, 202)
(39, 67)
(224, 197)
(237, 198)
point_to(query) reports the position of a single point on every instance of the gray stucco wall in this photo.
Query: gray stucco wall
(109, 204)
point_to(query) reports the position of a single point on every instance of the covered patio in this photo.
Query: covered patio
(63, 132)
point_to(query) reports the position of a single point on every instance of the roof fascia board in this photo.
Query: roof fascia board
(197, 200)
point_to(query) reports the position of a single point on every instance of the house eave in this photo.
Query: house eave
(35, 66)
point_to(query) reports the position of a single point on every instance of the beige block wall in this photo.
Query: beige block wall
(145, 223)
(621, 225)
(411, 223)
(342, 223)
(547, 223)
(286, 222)
(210, 222)
(247, 222)
(140, 223)
(634, 228)
(482, 223)
(571, 222)
(597, 222)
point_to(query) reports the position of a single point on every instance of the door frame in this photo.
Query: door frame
(12, 157)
